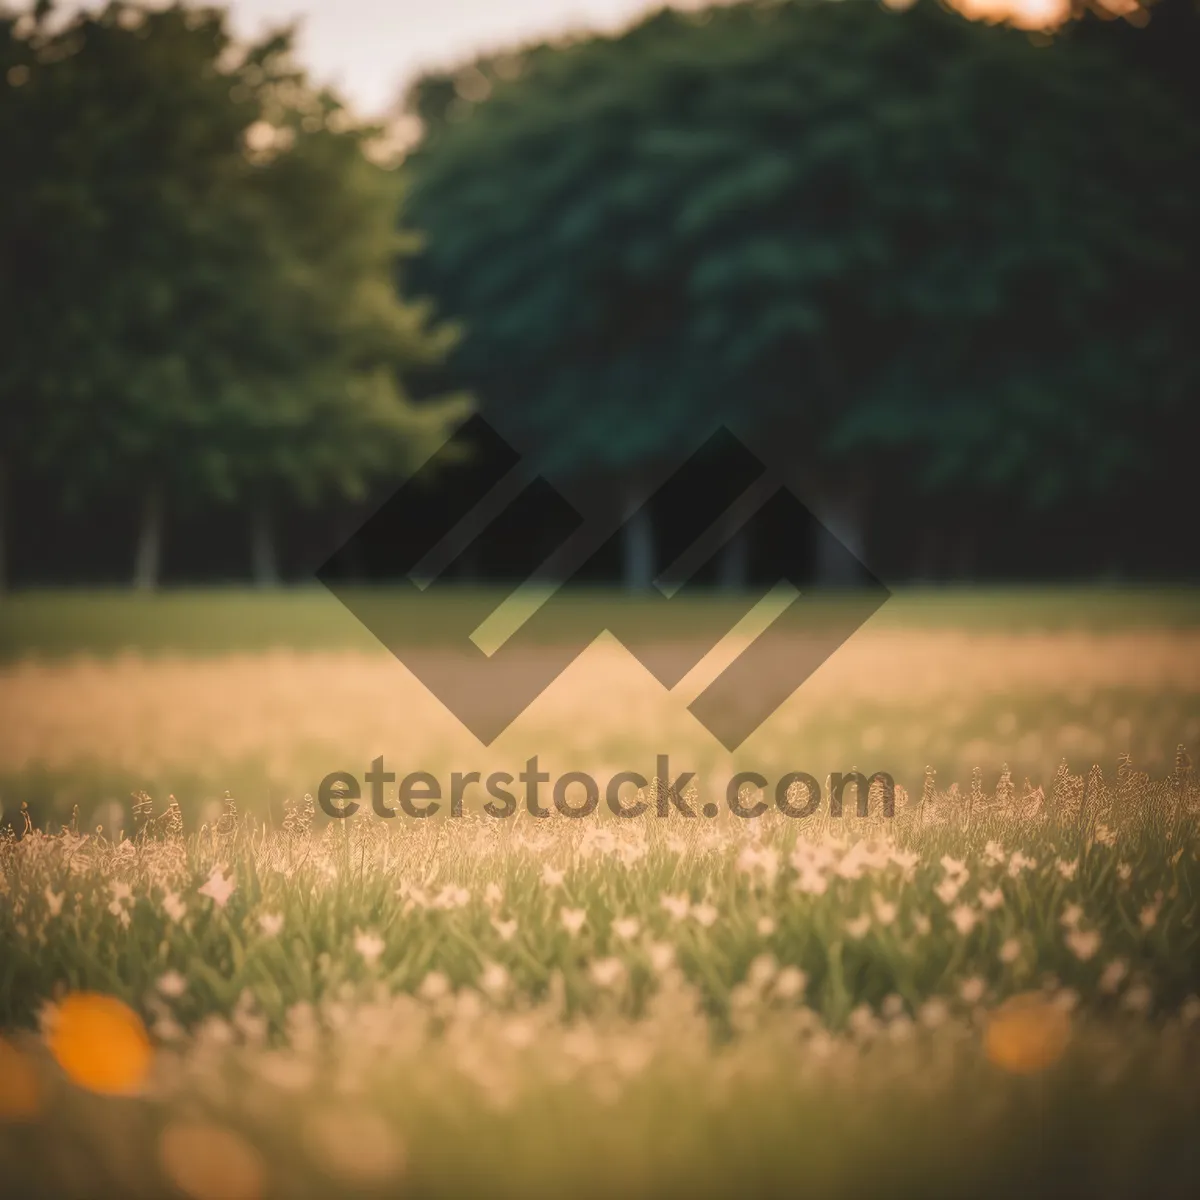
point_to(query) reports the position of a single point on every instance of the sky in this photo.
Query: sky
(372, 49)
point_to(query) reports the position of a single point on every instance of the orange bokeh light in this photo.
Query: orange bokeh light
(100, 1043)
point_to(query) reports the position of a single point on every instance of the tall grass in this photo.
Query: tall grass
(651, 1007)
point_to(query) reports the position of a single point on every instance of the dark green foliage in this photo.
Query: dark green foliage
(197, 267)
(941, 243)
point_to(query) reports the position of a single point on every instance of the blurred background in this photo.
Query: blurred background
(941, 259)
(945, 260)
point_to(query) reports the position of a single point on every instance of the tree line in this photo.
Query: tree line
(197, 276)
(947, 264)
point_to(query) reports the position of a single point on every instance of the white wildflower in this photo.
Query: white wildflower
(370, 946)
(606, 972)
(1083, 944)
(857, 927)
(1113, 975)
(971, 990)
(218, 887)
(1066, 999)
(572, 919)
(451, 897)
(947, 891)
(271, 924)
(761, 971)
(627, 928)
(812, 882)
(172, 984)
(853, 863)
(1010, 951)
(964, 918)
(762, 861)
(1020, 862)
(214, 1030)
(933, 1013)
(494, 980)
(1071, 916)
(434, 986)
(790, 983)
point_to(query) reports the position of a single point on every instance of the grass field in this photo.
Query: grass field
(997, 990)
(264, 695)
(53, 624)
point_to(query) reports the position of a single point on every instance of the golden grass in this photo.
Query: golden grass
(913, 696)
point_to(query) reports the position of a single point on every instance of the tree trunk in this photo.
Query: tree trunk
(734, 566)
(637, 547)
(148, 563)
(264, 562)
(845, 519)
(3, 528)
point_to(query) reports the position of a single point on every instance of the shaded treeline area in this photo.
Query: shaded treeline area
(947, 268)
(197, 293)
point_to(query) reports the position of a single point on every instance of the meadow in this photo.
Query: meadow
(996, 990)
(193, 694)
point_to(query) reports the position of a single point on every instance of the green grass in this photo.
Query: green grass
(1071, 714)
(55, 623)
(665, 1059)
(401, 1008)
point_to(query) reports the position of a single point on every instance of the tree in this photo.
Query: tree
(907, 246)
(205, 284)
(17, 416)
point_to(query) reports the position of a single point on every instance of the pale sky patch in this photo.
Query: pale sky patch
(371, 50)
